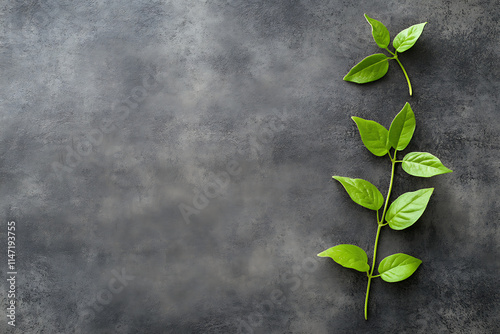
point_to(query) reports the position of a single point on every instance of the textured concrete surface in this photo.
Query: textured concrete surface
(115, 116)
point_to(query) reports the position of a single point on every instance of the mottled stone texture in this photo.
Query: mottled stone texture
(116, 114)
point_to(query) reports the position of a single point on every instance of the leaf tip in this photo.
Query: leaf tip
(322, 254)
(338, 178)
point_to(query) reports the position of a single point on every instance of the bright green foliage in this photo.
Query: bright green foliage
(403, 212)
(380, 33)
(362, 192)
(349, 256)
(408, 37)
(373, 135)
(423, 164)
(369, 69)
(408, 208)
(398, 267)
(375, 66)
(402, 128)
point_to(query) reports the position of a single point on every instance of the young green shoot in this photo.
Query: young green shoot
(402, 212)
(376, 66)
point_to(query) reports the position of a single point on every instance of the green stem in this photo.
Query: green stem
(371, 273)
(393, 161)
(395, 54)
(366, 299)
(380, 224)
(406, 74)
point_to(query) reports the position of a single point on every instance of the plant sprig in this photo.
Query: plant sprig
(403, 212)
(376, 66)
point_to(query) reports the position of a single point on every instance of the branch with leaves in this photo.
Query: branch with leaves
(403, 212)
(376, 66)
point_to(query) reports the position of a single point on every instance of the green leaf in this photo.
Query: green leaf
(408, 208)
(402, 128)
(348, 256)
(369, 69)
(379, 32)
(398, 267)
(362, 192)
(423, 164)
(373, 135)
(408, 37)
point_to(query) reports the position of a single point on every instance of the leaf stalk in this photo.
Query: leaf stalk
(395, 57)
(406, 74)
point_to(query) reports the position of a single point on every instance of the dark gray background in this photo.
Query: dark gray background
(260, 83)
